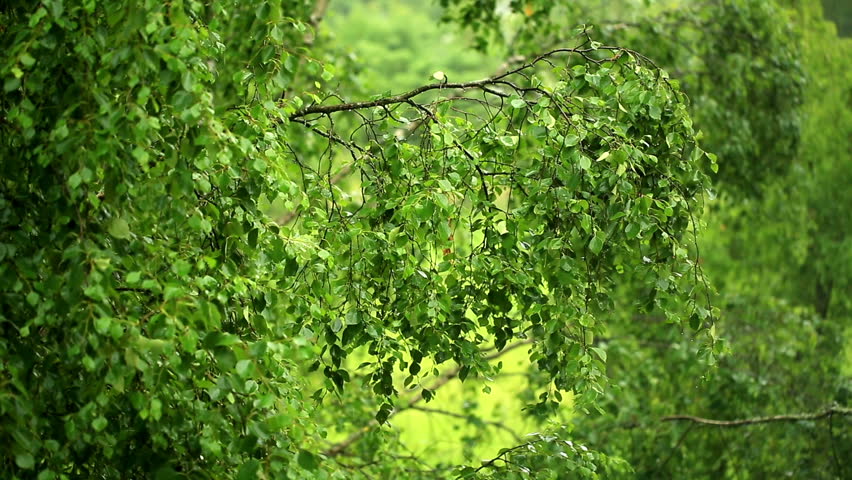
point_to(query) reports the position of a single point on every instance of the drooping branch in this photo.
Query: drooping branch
(558, 444)
(502, 71)
(289, 216)
(827, 413)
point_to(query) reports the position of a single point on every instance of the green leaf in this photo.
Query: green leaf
(11, 83)
(244, 368)
(654, 111)
(25, 460)
(498, 298)
(75, 180)
(248, 471)
(219, 339)
(694, 321)
(173, 291)
(466, 472)
(27, 60)
(596, 243)
(509, 140)
(156, 409)
(714, 165)
(119, 228)
(632, 230)
(102, 324)
(99, 424)
(385, 411)
(46, 475)
(181, 268)
(519, 103)
(307, 460)
(95, 292)
(33, 298)
(291, 267)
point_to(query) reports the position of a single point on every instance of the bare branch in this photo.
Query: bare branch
(829, 412)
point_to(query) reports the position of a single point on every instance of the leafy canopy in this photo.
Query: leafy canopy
(156, 321)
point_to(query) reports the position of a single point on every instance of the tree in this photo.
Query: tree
(157, 322)
(785, 312)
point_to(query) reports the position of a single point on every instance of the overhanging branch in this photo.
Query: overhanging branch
(484, 84)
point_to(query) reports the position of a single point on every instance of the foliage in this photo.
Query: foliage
(785, 313)
(137, 266)
(785, 303)
(751, 48)
(136, 247)
(156, 321)
(745, 45)
(840, 13)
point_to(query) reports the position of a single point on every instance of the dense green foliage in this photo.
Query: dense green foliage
(839, 12)
(229, 249)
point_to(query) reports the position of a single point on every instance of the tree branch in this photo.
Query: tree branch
(498, 79)
(757, 420)
(484, 84)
